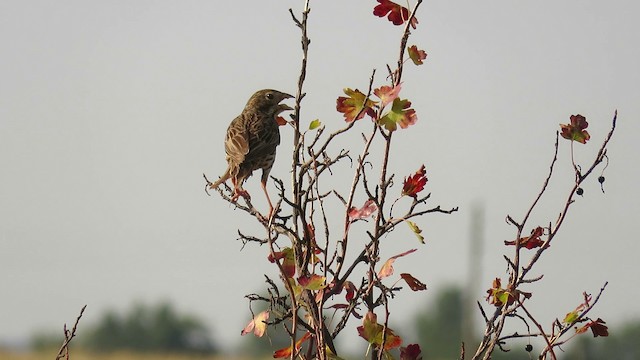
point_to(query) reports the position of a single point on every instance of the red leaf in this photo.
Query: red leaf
(598, 328)
(387, 94)
(387, 268)
(416, 54)
(530, 242)
(398, 14)
(355, 105)
(414, 284)
(415, 183)
(351, 290)
(411, 352)
(367, 210)
(257, 325)
(286, 352)
(311, 233)
(575, 131)
(288, 264)
(281, 121)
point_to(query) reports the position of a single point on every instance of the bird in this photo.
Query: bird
(251, 141)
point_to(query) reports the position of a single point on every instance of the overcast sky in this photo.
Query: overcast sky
(110, 111)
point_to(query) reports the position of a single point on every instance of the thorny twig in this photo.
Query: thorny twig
(68, 336)
(517, 277)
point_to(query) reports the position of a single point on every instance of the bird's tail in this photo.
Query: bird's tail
(222, 179)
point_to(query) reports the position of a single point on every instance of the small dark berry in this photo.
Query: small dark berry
(601, 179)
(580, 191)
(529, 348)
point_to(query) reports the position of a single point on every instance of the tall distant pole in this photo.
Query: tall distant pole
(474, 275)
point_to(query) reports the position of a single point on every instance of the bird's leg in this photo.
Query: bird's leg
(264, 188)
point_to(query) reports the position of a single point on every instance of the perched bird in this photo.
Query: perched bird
(251, 141)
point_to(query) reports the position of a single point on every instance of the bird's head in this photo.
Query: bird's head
(268, 101)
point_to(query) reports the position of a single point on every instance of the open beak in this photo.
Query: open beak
(281, 108)
(285, 107)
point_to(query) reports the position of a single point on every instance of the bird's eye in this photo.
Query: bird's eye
(269, 96)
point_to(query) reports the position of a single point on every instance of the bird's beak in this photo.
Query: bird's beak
(285, 107)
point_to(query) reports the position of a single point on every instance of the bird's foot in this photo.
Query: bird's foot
(240, 192)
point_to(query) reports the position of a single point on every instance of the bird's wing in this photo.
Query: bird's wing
(263, 136)
(236, 143)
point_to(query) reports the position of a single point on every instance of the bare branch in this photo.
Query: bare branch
(68, 336)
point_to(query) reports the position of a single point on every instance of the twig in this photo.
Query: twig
(68, 336)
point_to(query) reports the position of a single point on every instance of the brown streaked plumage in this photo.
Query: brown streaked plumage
(251, 141)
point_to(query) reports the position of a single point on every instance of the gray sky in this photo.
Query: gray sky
(111, 110)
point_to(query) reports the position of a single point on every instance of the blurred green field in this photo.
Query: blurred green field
(79, 355)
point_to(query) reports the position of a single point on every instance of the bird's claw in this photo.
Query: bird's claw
(240, 192)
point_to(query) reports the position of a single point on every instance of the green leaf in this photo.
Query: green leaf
(400, 114)
(503, 297)
(416, 230)
(571, 317)
(315, 124)
(313, 282)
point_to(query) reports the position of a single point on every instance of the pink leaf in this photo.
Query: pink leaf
(367, 210)
(257, 325)
(387, 268)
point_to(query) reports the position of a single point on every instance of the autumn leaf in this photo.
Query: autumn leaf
(414, 284)
(351, 290)
(355, 106)
(598, 328)
(416, 55)
(281, 121)
(286, 352)
(311, 233)
(387, 94)
(575, 130)
(400, 114)
(257, 325)
(499, 296)
(415, 183)
(387, 268)
(530, 242)
(370, 328)
(315, 124)
(312, 282)
(416, 230)
(374, 333)
(411, 352)
(365, 211)
(397, 14)
(288, 263)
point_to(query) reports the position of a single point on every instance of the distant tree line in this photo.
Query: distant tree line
(143, 328)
